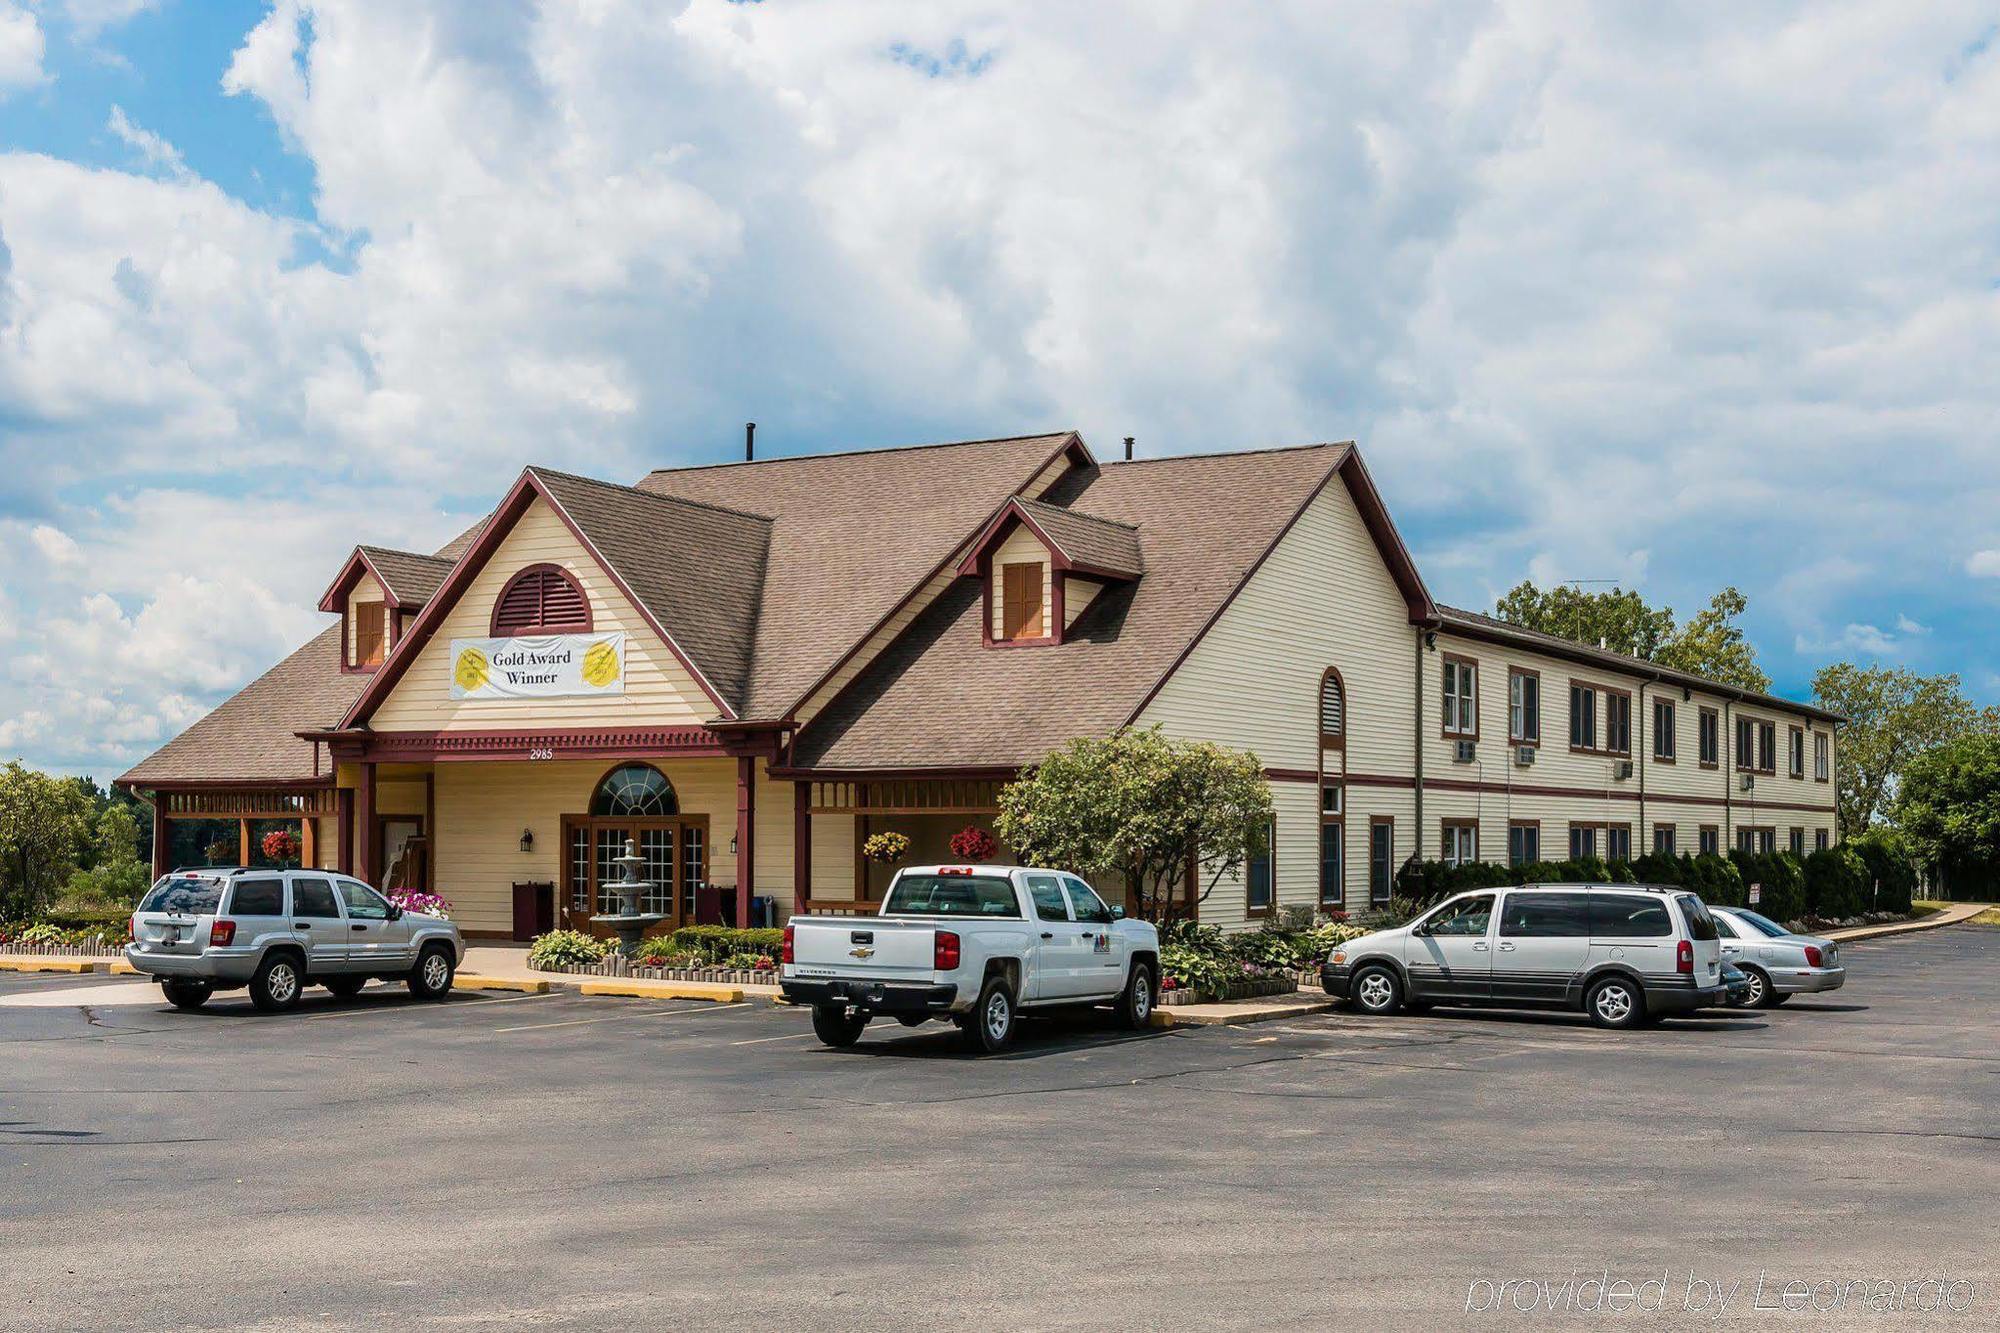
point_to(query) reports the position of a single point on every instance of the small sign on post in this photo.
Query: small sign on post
(1756, 894)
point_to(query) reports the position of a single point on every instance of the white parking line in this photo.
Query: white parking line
(419, 1007)
(789, 1036)
(622, 1018)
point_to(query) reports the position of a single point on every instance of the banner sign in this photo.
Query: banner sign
(556, 666)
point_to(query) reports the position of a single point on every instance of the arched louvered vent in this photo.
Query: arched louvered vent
(541, 599)
(1332, 710)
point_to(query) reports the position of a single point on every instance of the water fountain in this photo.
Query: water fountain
(628, 920)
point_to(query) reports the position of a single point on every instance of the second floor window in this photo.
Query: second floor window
(1663, 729)
(371, 633)
(1819, 756)
(1461, 716)
(1798, 753)
(1709, 739)
(1583, 717)
(1767, 747)
(1618, 723)
(1524, 708)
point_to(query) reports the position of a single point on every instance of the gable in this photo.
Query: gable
(659, 691)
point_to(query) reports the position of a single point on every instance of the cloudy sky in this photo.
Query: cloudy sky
(1605, 292)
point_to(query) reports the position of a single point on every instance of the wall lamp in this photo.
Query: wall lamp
(732, 844)
(527, 840)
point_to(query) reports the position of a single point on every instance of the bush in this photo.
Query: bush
(1266, 948)
(1783, 881)
(564, 948)
(714, 945)
(1889, 875)
(1836, 884)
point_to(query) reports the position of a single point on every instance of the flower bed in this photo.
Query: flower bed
(44, 939)
(1249, 988)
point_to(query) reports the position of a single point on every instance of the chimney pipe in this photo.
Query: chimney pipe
(1128, 448)
(749, 441)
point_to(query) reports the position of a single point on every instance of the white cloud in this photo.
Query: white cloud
(56, 546)
(157, 152)
(21, 48)
(1983, 564)
(92, 17)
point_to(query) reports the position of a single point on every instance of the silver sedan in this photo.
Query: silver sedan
(1778, 963)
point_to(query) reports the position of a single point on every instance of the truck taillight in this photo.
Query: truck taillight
(1814, 958)
(944, 953)
(786, 954)
(222, 932)
(1684, 957)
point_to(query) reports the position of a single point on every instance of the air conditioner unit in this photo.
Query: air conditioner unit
(1524, 756)
(1622, 770)
(1749, 782)
(1464, 752)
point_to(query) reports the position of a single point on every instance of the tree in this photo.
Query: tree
(43, 821)
(1948, 808)
(1712, 644)
(1140, 804)
(1893, 714)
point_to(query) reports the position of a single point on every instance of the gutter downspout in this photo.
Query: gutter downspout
(1725, 747)
(1639, 758)
(1417, 848)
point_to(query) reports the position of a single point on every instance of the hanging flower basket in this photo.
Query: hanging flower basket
(281, 846)
(220, 853)
(973, 843)
(886, 848)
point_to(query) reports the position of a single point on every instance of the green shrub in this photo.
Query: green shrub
(1266, 948)
(1783, 882)
(715, 944)
(1194, 968)
(564, 948)
(1889, 875)
(1836, 884)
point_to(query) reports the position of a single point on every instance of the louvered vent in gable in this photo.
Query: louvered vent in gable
(1332, 711)
(541, 599)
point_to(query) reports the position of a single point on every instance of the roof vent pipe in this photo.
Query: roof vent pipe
(749, 441)
(1128, 448)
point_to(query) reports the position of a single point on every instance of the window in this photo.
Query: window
(314, 898)
(1332, 711)
(1582, 841)
(1544, 915)
(1746, 840)
(1617, 842)
(1819, 756)
(1617, 722)
(1664, 836)
(1663, 730)
(258, 897)
(1524, 842)
(1724, 930)
(1767, 747)
(1701, 924)
(541, 599)
(1819, 840)
(952, 895)
(1088, 906)
(1524, 707)
(1257, 875)
(363, 903)
(1582, 717)
(1467, 916)
(1708, 742)
(1021, 601)
(1381, 860)
(634, 791)
(1752, 839)
(1798, 842)
(1708, 841)
(1461, 841)
(1798, 738)
(1329, 800)
(1628, 916)
(1046, 891)
(371, 637)
(1330, 839)
(1746, 742)
(187, 895)
(1461, 707)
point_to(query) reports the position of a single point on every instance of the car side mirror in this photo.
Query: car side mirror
(1117, 914)
(395, 912)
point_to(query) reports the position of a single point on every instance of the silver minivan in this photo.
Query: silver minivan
(278, 931)
(1622, 953)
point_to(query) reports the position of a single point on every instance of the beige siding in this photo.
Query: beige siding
(1021, 547)
(659, 691)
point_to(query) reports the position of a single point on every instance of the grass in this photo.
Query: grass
(1989, 917)
(1923, 907)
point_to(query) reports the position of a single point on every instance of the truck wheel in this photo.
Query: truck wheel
(1615, 1002)
(277, 982)
(836, 1027)
(1135, 1006)
(187, 994)
(990, 1027)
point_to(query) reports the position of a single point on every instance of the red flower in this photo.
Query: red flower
(973, 843)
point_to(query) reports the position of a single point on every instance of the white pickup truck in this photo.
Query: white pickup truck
(974, 944)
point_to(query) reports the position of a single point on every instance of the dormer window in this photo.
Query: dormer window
(370, 633)
(377, 592)
(1022, 606)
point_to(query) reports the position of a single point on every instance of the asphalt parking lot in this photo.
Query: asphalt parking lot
(587, 1162)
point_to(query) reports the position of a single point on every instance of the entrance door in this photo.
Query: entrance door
(675, 852)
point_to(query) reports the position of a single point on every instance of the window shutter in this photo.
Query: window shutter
(540, 598)
(1332, 708)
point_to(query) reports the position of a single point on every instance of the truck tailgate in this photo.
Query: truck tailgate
(862, 947)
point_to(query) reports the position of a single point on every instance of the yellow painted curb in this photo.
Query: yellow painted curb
(465, 981)
(664, 990)
(122, 968)
(69, 965)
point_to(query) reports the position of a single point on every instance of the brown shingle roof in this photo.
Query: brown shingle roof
(696, 568)
(411, 578)
(1088, 540)
(852, 534)
(1485, 626)
(248, 738)
(938, 698)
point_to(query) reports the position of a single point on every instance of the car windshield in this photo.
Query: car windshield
(188, 895)
(1763, 923)
(951, 895)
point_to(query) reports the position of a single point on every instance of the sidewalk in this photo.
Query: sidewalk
(505, 967)
(1950, 916)
(1257, 1009)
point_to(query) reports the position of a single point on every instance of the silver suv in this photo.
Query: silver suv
(1623, 953)
(279, 931)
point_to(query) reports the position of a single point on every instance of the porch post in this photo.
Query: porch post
(365, 851)
(309, 843)
(162, 836)
(343, 830)
(746, 845)
(802, 845)
(243, 842)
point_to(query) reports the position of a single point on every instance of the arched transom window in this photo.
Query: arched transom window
(541, 599)
(633, 790)
(1332, 710)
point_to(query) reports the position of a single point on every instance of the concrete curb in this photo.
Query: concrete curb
(663, 990)
(465, 982)
(1950, 916)
(1224, 1015)
(69, 966)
